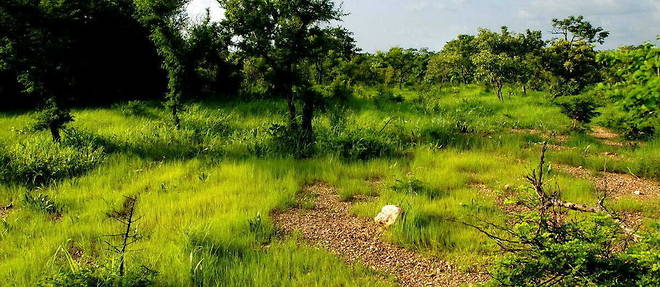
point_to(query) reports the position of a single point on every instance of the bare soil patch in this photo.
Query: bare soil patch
(5, 210)
(616, 184)
(560, 138)
(359, 240)
(603, 133)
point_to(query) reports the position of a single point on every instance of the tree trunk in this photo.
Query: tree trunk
(307, 117)
(524, 88)
(175, 116)
(55, 133)
(499, 91)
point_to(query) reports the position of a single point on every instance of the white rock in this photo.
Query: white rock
(388, 215)
(637, 192)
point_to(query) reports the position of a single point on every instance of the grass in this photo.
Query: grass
(206, 191)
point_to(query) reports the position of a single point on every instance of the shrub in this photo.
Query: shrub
(133, 108)
(581, 108)
(631, 90)
(39, 161)
(385, 95)
(289, 140)
(578, 254)
(43, 203)
(100, 276)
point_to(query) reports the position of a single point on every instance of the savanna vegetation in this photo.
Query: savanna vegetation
(142, 148)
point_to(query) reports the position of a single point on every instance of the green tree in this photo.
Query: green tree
(397, 65)
(34, 42)
(498, 61)
(166, 20)
(631, 87)
(577, 29)
(281, 34)
(571, 58)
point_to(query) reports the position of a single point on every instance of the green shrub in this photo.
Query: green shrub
(289, 141)
(577, 253)
(100, 276)
(581, 108)
(42, 203)
(39, 161)
(133, 108)
(360, 144)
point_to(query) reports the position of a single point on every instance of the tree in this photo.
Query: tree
(280, 32)
(496, 69)
(95, 51)
(631, 87)
(571, 59)
(581, 108)
(463, 49)
(34, 43)
(573, 29)
(497, 63)
(208, 59)
(166, 20)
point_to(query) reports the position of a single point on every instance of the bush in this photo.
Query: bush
(39, 161)
(385, 95)
(133, 108)
(290, 141)
(631, 90)
(581, 108)
(362, 145)
(578, 254)
(100, 276)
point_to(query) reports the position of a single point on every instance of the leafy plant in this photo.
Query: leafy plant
(38, 162)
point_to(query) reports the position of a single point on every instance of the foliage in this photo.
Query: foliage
(575, 254)
(581, 108)
(42, 202)
(165, 20)
(76, 52)
(133, 108)
(100, 276)
(37, 162)
(53, 118)
(454, 63)
(411, 185)
(285, 35)
(632, 90)
(571, 59)
(578, 29)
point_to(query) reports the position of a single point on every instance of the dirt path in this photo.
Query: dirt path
(616, 184)
(359, 240)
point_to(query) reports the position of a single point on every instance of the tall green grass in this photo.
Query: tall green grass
(206, 190)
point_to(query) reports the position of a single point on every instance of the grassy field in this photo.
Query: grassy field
(206, 191)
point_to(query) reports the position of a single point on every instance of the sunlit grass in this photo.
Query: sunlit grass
(199, 187)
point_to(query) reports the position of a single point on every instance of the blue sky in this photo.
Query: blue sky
(381, 24)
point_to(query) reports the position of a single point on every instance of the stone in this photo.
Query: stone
(388, 215)
(637, 192)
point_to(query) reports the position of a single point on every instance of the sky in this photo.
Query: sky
(382, 24)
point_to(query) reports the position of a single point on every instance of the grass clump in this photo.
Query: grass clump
(40, 161)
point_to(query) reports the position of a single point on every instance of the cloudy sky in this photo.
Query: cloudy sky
(381, 24)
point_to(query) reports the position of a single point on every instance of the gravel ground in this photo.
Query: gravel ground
(616, 184)
(359, 240)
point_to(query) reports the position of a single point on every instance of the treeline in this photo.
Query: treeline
(57, 54)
